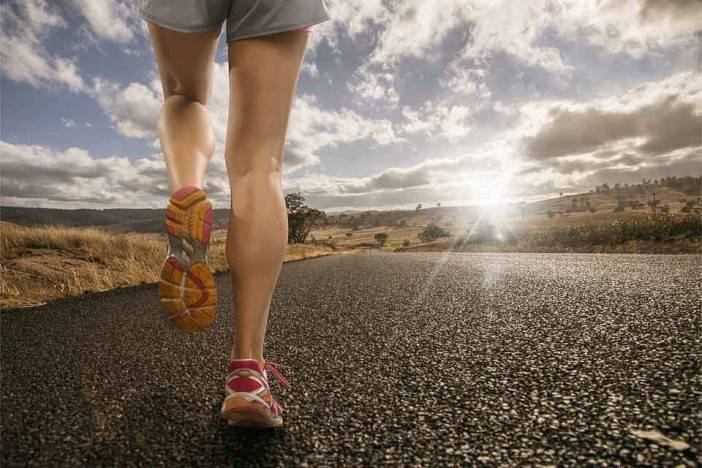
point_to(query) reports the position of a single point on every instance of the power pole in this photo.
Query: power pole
(654, 204)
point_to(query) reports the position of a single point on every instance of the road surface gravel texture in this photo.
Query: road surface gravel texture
(397, 359)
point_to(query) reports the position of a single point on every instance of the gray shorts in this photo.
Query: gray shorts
(245, 18)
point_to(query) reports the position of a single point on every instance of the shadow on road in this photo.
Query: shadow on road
(251, 446)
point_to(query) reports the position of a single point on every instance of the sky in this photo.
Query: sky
(458, 102)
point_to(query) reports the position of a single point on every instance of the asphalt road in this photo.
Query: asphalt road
(415, 359)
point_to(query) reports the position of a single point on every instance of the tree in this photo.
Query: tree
(419, 207)
(381, 237)
(621, 204)
(301, 218)
(550, 213)
(432, 232)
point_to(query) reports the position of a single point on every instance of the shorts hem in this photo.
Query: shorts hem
(179, 28)
(268, 32)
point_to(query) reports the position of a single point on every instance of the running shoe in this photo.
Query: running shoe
(248, 401)
(187, 288)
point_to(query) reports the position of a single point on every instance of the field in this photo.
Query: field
(538, 227)
(578, 233)
(50, 262)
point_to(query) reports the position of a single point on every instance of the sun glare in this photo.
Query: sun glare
(488, 192)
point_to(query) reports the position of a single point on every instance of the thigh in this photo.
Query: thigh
(262, 77)
(185, 60)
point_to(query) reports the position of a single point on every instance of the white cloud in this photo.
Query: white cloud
(651, 129)
(437, 121)
(319, 128)
(524, 31)
(466, 79)
(373, 83)
(657, 117)
(439, 173)
(108, 20)
(134, 109)
(25, 58)
(635, 27)
(75, 176)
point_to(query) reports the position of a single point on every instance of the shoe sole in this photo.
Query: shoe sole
(240, 411)
(187, 288)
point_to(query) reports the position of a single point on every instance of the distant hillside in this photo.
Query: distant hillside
(672, 195)
(117, 219)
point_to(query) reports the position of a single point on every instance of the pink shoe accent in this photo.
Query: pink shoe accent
(243, 384)
(184, 192)
(175, 263)
(252, 364)
(170, 214)
(201, 287)
(207, 225)
(246, 377)
(276, 373)
(206, 233)
(170, 229)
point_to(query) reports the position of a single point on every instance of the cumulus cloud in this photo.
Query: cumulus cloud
(439, 173)
(110, 20)
(652, 129)
(320, 128)
(134, 108)
(636, 27)
(437, 120)
(36, 172)
(527, 32)
(656, 117)
(24, 27)
(371, 82)
(553, 146)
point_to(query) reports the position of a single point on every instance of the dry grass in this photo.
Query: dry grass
(549, 233)
(640, 234)
(51, 262)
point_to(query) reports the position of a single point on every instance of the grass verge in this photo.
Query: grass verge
(38, 264)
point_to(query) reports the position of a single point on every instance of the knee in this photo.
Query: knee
(255, 166)
(178, 100)
(190, 92)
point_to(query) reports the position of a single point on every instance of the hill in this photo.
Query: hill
(116, 220)
(600, 205)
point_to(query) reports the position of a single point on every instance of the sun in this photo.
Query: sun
(487, 192)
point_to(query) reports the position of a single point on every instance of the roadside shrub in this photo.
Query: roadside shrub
(381, 237)
(432, 232)
(406, 243)
(643, 228)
